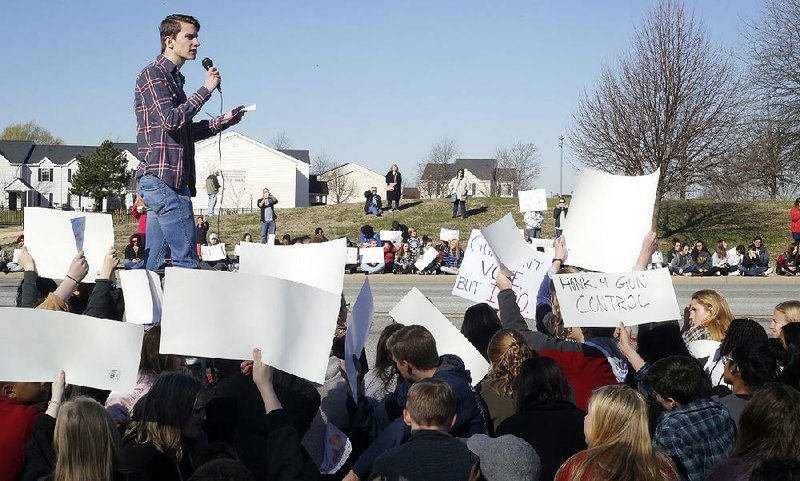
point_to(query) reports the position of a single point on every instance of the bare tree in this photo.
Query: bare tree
(432, 171)
(672, 102)
(321, 163)
(341, 184)
(280, 140)
(768, 159)
(521, 164)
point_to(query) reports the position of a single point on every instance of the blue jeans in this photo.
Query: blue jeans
(170, 224)
(129, 264)
(535, 233)
(752, 271)
(267, 228)
(212, 203)
(372, 269)
(374, 210)
(463, 204)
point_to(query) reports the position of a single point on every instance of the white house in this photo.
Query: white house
(347, 183)
(485, 177)
(39, 175)
(247, 166)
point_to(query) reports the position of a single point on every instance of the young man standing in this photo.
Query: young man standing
(267, 205)
(165, 136)
(212, 188)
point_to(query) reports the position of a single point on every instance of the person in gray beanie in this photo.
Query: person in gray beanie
(505, 458)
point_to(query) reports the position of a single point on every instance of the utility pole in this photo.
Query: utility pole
(561, 173)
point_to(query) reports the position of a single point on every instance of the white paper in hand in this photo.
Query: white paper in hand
(249, 108)
(504, 239)
(395, 236)
(213, 253)
(79, 231)
(532, 200)
(371, 255)
(415, 308)
(143, 296)
(448, 234)
(357, 333)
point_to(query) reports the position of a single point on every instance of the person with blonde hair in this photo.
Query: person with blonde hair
(394, 187)
(785, 313)
(453, 256)
(507, 350)
(618, 436)
(708, 316)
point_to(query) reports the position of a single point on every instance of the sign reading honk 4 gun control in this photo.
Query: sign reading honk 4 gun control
(593, 299)
(475, 279)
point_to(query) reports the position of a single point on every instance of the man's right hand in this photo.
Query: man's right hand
(212, 79)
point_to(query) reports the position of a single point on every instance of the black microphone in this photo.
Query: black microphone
(207, 64)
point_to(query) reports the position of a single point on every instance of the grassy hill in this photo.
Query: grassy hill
(737, 222)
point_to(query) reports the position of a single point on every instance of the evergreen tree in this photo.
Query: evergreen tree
(104, 173)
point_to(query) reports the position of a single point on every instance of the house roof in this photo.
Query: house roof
(439, 172)
(301, 155)
(25, 152)
(18, 185)
(505, 174)
(483, 169)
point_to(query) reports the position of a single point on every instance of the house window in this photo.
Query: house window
(69, 175)
(45, 175)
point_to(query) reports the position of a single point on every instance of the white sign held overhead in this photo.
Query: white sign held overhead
(532, 200)
(143, 296)
(291, 323)
(213, 253)
(92, 352)
(603, 202)
(51, 240)
(319, 265)
(596, 299)
(357, 333)
(476, 277)
(415, 308)
(506, 243)
(371, 255)
(395, 236)
(449, 234)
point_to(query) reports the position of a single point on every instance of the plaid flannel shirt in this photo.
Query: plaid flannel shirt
(695, 436)
(165, 133)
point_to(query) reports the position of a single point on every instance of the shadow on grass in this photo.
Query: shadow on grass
(706, 218)
(477, 210)
(409, 205)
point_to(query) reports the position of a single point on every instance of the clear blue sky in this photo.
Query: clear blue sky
(374, 82)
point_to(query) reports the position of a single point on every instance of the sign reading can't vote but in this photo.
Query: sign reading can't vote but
(476, 277)
(595, 299)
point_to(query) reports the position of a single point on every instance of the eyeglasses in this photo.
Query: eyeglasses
(725, 360)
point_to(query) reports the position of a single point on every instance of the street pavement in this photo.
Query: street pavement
(748, 297)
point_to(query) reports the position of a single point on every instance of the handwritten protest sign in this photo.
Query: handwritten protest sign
(505, 242)
(143, 296)
(357, 333)
(320, 264)
(225, 315)
(475, 278)
(415, 308)
(352, 255)
(532, 200)
(213, 253)
(448, 234)
(426, 258)
(371, 255)
(92, 352)
(395, 236)
(603, 202)
(51, 240)
(596, 299)
(78, 230)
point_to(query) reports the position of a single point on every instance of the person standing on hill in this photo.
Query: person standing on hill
(459, 188)
(212, 188)
(267, 205)
(795, 214)
(559, 214)
(394, 185)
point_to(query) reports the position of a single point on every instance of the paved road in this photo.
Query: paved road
(748, 297)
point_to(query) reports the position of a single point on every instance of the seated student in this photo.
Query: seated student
(694, 431)
(134, 253)
(436, 263)
(682, 262)
(398, 227)
(403, 262)
(415, 244)
(389, 254)
(217, 265)
(676, 248)
(413, 350)
(431, 453)
(545, 417)
(373, 204)
(749, 366)
(372, 267)
(367, 233)
(286, 240)
(721, 261)
(761, 250)
(453, 255)
(752, 263)
(18, 411)
(788, 263)
(14, 266)
(319, 235)
(507, 351)
(702, 259)
(768, 429)
(619, 442)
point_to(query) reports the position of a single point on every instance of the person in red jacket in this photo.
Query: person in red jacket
(17, 412)
(795, 213)
(140, 214)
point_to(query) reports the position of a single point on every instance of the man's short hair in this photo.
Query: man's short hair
(676, 241)
(416, 345)
(431, 402)
(678, 377)
(171, 26)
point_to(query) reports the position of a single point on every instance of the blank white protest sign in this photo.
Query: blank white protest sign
(395, 236)
(93, 352)
(415, 308)
(51, 241)
(371, 255)
(143, 296)
(532, 200)
(506, 243)
(319, 265)
(604, 203)
(448, 234)
(358, 332)
(225, 315)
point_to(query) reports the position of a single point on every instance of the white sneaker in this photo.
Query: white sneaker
(768, 271)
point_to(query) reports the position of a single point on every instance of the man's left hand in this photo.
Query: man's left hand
(234, 116)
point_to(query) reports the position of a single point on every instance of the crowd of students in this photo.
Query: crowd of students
(753, 260)
(711, 397)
